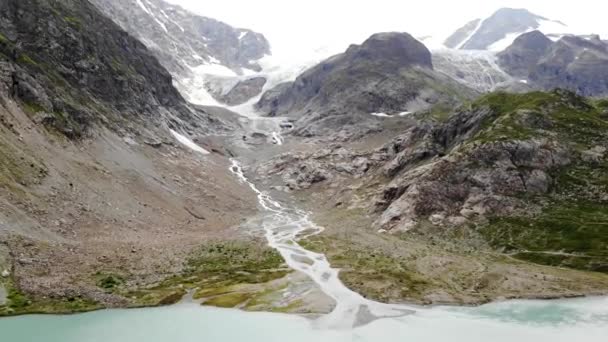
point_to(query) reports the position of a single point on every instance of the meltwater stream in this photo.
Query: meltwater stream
(584, 319)
(283, 227)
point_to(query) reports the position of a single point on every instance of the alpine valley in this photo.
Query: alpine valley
(151, 156)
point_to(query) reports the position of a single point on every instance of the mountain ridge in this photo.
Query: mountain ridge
(498, 30)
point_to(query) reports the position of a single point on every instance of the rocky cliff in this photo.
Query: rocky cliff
(576, 63)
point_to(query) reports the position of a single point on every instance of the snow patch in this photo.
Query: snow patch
(141, 4)
(471, 35)
(214, 60)
(194, 88)
(504, 43)
(215, 69)
(384, 115)
(189, 143)
(159, 22)
(277, 138)
(242, 35)
(523, 81)
(172, 21)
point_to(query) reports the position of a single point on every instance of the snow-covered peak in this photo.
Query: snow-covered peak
(498, 31)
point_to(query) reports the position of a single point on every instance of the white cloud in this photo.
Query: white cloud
(311, 23)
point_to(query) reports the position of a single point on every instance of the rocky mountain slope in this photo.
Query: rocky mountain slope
(576, 63)
(95, 190)
(389, 73)
(498, 30)
(505, 178)
(182, 40)
(200, 52)
(518, 51)
(477, 70)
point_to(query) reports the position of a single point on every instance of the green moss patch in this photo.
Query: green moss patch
(73, 21)
(568, 234)
(109, 282)
(214, 268)
(229, 300)
(24, 59)
(523, 116)
(20, 303)
(376, 275)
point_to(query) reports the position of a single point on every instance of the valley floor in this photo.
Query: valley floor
(148, 226)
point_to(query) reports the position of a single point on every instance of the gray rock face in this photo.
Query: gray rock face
(389, 72)
(503, 22)
(65, 58)
(242, 92)
(179, 38)
(575, 63)
(524, 53)
(466, 169)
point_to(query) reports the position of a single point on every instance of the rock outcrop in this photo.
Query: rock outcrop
(524, 53)
(575, 63)
(241, 92)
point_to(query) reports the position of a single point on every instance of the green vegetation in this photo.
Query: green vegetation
(229, 300)
(602, 104)
(3, 39)
(73, 21)
(25, 59)
(110, 282)
(541, 114)
(214, 269)
(17, 168)
(572, 230)
(377, 275)
(19, 304)
(569, 234)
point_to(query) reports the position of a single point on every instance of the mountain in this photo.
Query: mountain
(56, 65)
(500, 29)
(97, 182)
(525, 51)
(576, 63)
(182, 40)
(467, 207)
(519, 51)
(196, 50)
(388, 73)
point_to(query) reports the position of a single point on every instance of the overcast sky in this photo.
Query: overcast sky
(308, 22)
